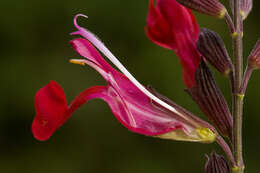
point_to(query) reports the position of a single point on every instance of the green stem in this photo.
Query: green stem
(238, 99)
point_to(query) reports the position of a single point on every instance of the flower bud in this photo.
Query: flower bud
(245, 7)
(216, 164)
(211, 46)
(254, 57)
(211, 101)
(208, 7)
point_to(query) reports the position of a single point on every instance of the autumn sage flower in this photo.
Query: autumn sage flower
(140, 109)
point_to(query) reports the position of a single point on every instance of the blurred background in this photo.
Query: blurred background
(34, 50)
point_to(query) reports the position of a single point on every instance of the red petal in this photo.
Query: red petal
(173, 26)
(195, 30)
(168, 18)
(158, 29)
(51, 110)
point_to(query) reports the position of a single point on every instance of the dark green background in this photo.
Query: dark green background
(34, 50)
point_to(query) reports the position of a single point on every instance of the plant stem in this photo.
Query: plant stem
(238, 99)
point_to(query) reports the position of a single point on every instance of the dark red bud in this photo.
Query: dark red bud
(211, 46)
(216, 164)
(209, 7)
(211, 101)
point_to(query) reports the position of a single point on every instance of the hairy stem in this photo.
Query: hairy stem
(238, 99)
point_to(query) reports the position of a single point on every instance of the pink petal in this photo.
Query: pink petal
(85, 49)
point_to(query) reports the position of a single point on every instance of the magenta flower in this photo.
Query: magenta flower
(138, 108)
(174, 27)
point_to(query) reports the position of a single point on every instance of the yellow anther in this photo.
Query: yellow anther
(77, 61)
(206, 135)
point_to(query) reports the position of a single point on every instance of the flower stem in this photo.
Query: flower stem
(226, 149)
(246, 78)
(238, 100)
(230, 23)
